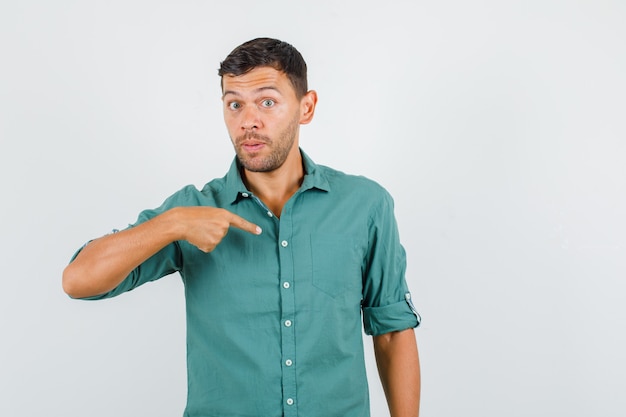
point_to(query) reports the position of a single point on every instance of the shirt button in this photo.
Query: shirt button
(288, 362)
(284, 243)
(287, 323)
(289, 401)
(245, 195)
(269, 213)
(286, 285)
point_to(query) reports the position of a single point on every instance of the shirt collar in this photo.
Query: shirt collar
(313, 178)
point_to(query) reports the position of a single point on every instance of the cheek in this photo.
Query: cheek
(230, 121)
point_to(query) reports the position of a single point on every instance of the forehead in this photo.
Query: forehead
(260, 78)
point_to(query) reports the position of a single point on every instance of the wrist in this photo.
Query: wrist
(171, 224)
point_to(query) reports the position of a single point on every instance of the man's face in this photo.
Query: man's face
(262, 115)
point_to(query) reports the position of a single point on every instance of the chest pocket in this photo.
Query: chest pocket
(336, 263)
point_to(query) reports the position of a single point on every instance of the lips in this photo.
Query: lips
(251, 144)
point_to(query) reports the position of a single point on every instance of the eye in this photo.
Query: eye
(268, 102)
(233, 105)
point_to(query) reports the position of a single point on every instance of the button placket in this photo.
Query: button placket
(287, 301)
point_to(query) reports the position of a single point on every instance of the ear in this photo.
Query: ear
(307, 107)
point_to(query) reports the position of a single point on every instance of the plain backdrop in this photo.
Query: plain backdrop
(498, 126)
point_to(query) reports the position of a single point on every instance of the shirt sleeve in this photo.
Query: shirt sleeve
(387, 304)
(166, 261)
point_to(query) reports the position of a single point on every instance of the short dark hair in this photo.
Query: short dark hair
(267, 52)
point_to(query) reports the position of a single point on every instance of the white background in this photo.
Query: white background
(498, 126)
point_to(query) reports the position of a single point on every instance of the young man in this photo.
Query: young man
(279, 259)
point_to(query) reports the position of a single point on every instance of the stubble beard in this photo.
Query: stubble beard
(279, 150)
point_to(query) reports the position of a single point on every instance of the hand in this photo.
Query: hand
(205, 227)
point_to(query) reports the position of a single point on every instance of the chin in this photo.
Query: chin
(254, 164)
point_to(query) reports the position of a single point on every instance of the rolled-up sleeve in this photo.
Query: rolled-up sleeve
(165, 262)
(387, 304)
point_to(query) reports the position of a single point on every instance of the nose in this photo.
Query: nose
(250, 119)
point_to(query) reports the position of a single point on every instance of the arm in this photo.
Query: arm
(399, 370)
(104, 263)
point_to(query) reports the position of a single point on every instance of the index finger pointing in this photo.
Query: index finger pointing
(243, 224)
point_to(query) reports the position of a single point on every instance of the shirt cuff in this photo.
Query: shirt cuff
(390, 318)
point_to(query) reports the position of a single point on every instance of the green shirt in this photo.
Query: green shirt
(274, 320)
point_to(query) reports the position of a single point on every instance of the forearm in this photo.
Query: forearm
(399, 370)
(105, 262)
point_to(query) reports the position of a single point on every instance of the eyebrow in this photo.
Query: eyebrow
(258, 90)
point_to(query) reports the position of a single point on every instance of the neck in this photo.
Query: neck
(276, 187)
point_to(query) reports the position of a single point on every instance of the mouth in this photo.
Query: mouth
(252, 144)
